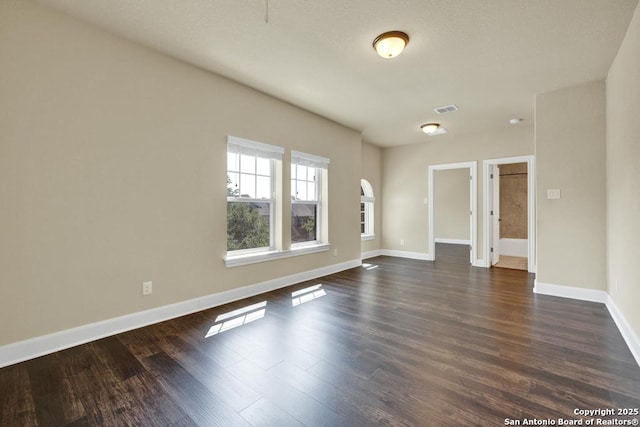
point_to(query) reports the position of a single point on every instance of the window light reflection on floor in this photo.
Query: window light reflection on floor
(307, 294)
(369, 266)
(238, 317)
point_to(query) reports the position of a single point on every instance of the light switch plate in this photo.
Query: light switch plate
(553, 193)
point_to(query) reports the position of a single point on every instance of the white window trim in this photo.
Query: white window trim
(321, 165)
(236, 260)
(309, 160)
(256, 149)
(369, 206)
(253, 148)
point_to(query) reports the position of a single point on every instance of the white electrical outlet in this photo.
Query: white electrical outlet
(553, 193)
(402, 242)
(335, 252)
(147, 288)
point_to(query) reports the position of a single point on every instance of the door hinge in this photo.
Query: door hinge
(491, 249)
(491, 176)
(491, 212)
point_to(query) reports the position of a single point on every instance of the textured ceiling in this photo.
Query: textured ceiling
(489, 57)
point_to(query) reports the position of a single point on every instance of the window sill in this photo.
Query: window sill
(245, 259)
(364, 237)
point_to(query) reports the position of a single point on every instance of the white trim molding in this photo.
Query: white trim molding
(46, 344)
(531, 200)
(405, 254)
(453, 241)
(514, 247)
(371, 254)
(473, 202)
(597, 296)
(253, 148)
(630, 337)
(583, 294)
(252, 258)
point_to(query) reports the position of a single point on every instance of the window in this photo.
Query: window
(250, 195)
(308, 218)
(366, 210)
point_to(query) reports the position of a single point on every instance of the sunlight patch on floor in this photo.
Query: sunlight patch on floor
(238, 317)
(307, 294)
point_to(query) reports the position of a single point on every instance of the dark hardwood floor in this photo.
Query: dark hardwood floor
(396, 342)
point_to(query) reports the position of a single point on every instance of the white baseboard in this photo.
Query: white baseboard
(406, 254)
(514, 247)
(481, 263)
(453, 241)
(46, 344)
(623, 326)
(371, 254)
(593, 295)
(572, 292)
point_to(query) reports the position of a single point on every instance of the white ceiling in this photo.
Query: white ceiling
(490, 57)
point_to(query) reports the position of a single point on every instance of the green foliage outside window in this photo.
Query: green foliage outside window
(246, 227)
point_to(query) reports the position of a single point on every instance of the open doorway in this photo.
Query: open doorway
(460, 226)
(510, 213)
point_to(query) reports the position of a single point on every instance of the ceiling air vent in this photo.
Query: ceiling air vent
(446, 109)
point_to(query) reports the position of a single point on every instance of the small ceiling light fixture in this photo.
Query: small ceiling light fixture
(430, 128)
(515, 121)
(391, 43)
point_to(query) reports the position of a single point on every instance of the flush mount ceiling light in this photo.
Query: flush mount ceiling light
(391, 43)
(515, 121)
(430, 128)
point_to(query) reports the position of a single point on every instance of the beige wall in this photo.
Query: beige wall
(570, 156)
(371, 167)
(623, 176)
(451, 204)
(112, 172)
(405, 171)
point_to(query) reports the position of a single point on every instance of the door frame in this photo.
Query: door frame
(494, 220)
(531, 208)
(473, 203)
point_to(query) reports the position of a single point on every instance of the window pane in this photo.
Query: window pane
(311, 191)
(301, 172)
(232, 162)
(293, 171)
(263, 166)
(303, 222)
(248, 225)
(247, 185)
(232, 184)
(302, 191)
(247, 164)
(264, 187)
